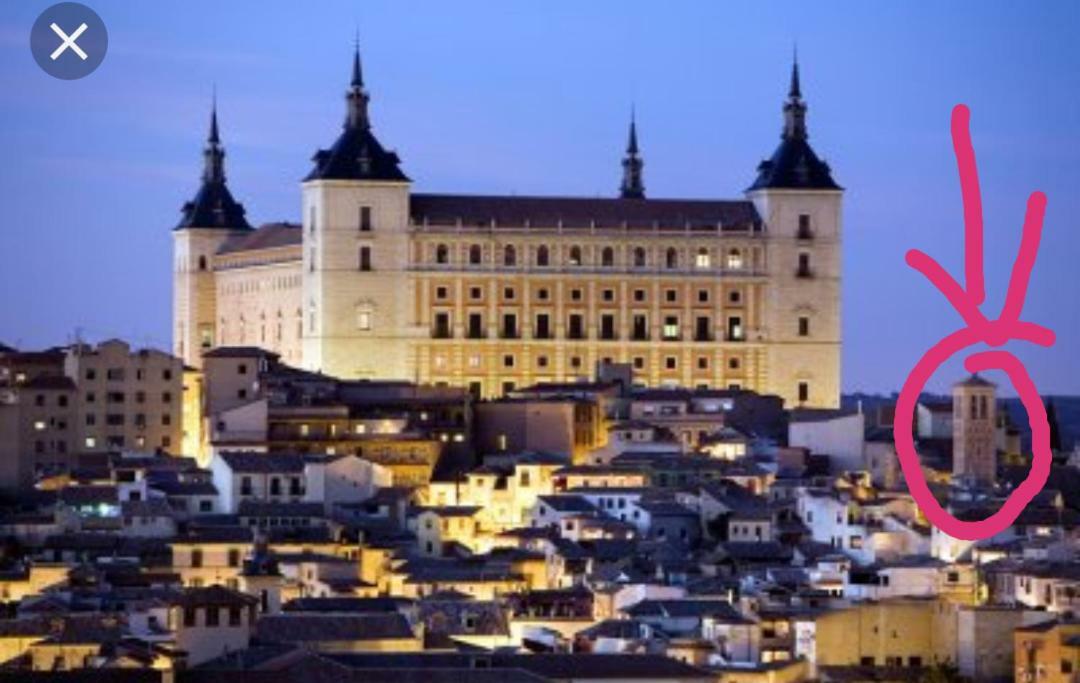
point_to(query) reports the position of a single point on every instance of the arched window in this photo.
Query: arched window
(476, 255)
(607, 257)
(703, 260)
(575, 256)
(509, 255)
(543, 258)
(734, 259)
(671, 259)
(639, 257)
(442, 254)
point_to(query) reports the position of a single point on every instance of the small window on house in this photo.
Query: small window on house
(202, 263)
(365, 218)
(804, 392)
(804, 326)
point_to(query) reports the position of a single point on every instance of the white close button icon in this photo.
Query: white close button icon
(69, 41)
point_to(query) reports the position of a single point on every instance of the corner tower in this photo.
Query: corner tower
(356, 289)
(207, 221)
(801, 206)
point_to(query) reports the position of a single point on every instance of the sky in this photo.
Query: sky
(534, 98)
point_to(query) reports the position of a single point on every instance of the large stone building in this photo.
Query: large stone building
(496, 292)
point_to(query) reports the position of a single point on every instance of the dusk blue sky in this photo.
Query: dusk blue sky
(534, 98)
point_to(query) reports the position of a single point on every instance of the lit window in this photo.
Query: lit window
(363, 320)
(39, 426)
(703, 260)
(734, 259)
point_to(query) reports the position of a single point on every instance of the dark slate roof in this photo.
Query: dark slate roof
(213, 596)
(356, 155)
(268, 236)
(213, 207)
(300, 627)
(249, 461)
(347, 604)
(794, 165)
(513, 211)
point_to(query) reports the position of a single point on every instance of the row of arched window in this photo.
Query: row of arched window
(639, 257)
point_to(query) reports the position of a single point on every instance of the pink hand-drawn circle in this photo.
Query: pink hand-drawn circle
(1008, 326)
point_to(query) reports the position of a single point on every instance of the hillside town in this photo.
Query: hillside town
(595, 530)
(407, 436)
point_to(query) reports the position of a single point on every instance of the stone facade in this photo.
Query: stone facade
(495, 293)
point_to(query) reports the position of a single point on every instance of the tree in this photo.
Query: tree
(1055, 429)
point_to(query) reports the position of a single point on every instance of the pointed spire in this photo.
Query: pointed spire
(794, 107)
(356, 109)
(357, 74)
(795, 92)
(214, 154)
(632, 186)
(213, 139)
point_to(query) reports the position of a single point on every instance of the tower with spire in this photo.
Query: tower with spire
(800, 206)
(355, 239)
(632, 186)
(211, 218)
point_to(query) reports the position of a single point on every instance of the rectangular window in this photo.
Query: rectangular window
(804, 326)
(735, 331)
(607, 326)
(543, 326)
(804, 392)
(363, 320)
(804, 227)
(365, 258)
(365, 218)
(703, 329)
(476, 326)
(442, 326)
(641, 327)
(577, 327)
(671, 328)
(213, 616)
(509, 330)
(804, 265)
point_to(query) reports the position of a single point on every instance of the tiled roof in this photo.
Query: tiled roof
(301, 627)
(583, 212)
(251, 461)
(267, 236)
